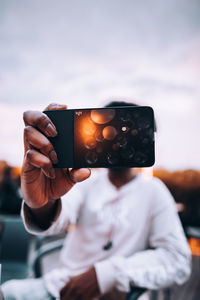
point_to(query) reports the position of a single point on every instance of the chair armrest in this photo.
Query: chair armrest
(135, 293)
(192, 232)
(50, 247)
(43, 251)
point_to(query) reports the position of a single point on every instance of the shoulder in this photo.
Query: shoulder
(158, 193)
(157, 185)
(154, 185)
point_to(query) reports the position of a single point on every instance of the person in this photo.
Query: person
(127, 232)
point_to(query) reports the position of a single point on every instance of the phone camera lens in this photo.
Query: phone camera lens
(91, 157)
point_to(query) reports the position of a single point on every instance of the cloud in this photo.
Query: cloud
(83, 52)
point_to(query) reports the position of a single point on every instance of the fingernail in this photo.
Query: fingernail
(53, 156)
(77, 177)
(86, 170)
(52, 173)
(51, 130)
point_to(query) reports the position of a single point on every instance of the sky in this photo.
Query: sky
(84, 53)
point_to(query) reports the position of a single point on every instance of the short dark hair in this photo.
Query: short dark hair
(124, 103)
(120, 103)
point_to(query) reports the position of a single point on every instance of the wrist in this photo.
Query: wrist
(43, 208)
(34, 202)
(45, 215)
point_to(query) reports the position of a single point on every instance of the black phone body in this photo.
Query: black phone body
(113, 137)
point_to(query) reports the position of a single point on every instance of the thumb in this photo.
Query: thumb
(78, 175)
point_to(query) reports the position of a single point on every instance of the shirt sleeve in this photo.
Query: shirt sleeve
(168, 260)
(70, 207)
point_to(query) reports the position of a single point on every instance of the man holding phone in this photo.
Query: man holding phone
(127, 230)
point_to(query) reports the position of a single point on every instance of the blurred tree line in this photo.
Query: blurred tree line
(10, 195)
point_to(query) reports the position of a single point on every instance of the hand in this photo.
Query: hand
(81, 287)
(40, 182)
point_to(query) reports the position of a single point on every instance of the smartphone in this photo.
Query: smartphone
(113, 137)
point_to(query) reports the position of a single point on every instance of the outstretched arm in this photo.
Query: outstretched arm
(42, 185)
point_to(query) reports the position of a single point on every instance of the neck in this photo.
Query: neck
(120, 177)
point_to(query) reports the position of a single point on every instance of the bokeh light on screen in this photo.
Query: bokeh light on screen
(125, 129)
(90, 142)
(103, 137)
(102, 116)
(88, 127)
(99, 136)
(91, 157)
(109, 133)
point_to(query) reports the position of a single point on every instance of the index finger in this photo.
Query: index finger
(41, 121)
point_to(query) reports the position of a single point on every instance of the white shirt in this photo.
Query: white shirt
(149, 247)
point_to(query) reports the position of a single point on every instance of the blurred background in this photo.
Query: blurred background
(86, 53)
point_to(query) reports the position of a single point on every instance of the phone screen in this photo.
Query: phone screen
(114, 137)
